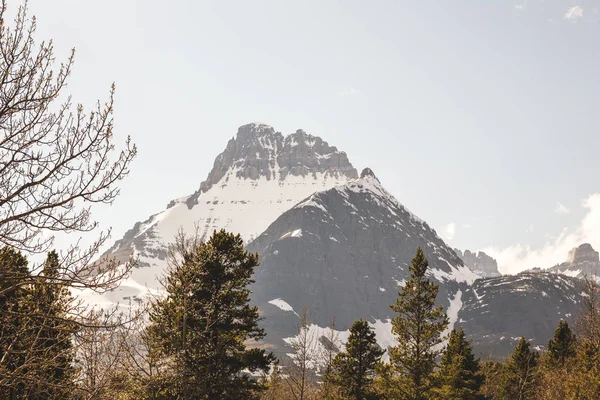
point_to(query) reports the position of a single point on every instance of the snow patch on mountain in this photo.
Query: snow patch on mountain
(452, 312)
(282, 305)
(316, 348)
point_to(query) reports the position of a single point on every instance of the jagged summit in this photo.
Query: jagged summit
(259, 152)
(583, 253)
(368, 172)
(260, 174)
(582, 261)
(479, 262)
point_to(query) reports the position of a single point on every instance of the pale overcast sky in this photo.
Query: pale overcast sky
(482, 117)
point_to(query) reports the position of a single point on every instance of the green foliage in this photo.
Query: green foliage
(354, 369)
(36, 349)
(492, 372)
(15, 309)
(418, 328)
(520, 373)
(205, 320)
(55, 329)
(459, 376)
(562, 346)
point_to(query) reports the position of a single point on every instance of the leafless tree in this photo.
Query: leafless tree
(303, 362)
(56, 160)
(331, 347)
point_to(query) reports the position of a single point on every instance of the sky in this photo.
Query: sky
(482, 117)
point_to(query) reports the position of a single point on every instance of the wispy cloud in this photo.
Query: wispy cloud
(519, 6)
(449, 231)
(348, 92)
(561, 209)
(574, 14)
(519, 257)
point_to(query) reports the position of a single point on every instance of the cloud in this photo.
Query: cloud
(519, 6)
(348, 92)
(561, 209)
(449, 231)
(574, 14)
(519, 257)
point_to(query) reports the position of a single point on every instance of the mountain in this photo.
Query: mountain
(480, 263)
(496, 312)
(340, 245)
(258, 176)
(344, 253)
(582, 261)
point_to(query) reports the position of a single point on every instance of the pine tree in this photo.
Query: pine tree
(561, 347)
(519, 375)
(54, 330)
(328, 391)
(205, 320)
(15, 310)
(36, 349)
(354, 369)
(418, 328)
(459, 376)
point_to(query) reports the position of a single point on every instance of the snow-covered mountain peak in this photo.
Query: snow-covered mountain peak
(259, 152)
(258, 176)
(368, 172)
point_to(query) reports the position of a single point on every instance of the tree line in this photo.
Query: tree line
(201, 340)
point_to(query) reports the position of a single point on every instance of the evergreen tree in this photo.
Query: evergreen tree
(36, 349)
(459, 376)
(519, 375)
(205, 319)
(15, 310)
(562, 346)
(354, 369)
(418, 328)
(328, 388)
(54, 330)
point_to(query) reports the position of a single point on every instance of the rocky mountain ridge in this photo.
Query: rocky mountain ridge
(582, 261)
(479, 262)
(258, 176)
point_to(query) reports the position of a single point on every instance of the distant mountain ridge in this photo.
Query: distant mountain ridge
(582, 261)
(480, 263)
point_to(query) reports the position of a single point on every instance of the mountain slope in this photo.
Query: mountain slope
(344, 253)
(258, 176)
(496, 311)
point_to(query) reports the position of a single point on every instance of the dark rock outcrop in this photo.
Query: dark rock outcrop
(582, 261)
(480, 263)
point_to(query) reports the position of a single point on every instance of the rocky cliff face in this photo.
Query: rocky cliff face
(344, 253)
(258, 176)
(582, 261)
(258, 151)
(480, 263)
